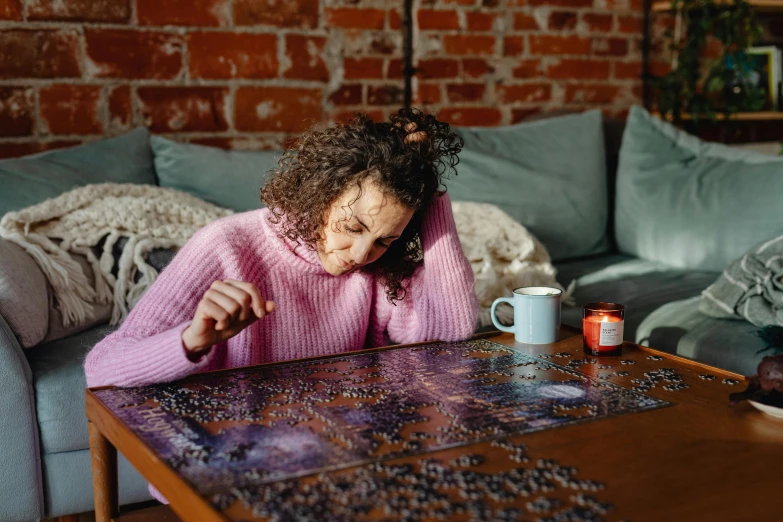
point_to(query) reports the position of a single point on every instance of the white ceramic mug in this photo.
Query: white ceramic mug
(536, 314)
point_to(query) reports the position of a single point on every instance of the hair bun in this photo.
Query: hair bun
(414, 136)
(432, 140)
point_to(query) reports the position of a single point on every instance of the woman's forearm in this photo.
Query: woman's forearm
(441, 302)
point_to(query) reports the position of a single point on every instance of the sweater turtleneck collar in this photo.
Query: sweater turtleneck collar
(299, 254)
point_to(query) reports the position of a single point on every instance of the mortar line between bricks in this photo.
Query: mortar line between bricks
(185, 56)
(190, 134)
(230, 107)
(270, 82)
(38, 130)
(167, 29)
(230, 7)
(133, 15)
(104, 113)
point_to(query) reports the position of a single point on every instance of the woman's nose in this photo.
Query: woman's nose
(360, 252)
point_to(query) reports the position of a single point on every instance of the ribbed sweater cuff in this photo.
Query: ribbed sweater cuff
(439, 237)
(160, 358)
(438, 219)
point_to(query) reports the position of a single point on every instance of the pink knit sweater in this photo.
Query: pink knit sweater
(315, 313)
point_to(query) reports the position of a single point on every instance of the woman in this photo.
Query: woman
(356, 248)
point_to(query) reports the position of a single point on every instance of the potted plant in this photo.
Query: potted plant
(703, 87)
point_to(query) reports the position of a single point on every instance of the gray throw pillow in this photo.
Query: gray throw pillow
(692, 204)
(32, 179)
(751, 288)
(27, 300)
(550, 175)
(228, 178)
(24, 302)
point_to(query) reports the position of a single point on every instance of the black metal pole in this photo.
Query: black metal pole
(646, 75)
(407, 49)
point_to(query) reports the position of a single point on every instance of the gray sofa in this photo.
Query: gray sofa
(45, 458)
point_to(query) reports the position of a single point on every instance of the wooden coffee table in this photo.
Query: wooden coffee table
(491, 430)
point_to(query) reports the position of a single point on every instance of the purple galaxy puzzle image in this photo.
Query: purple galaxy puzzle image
(261, 424)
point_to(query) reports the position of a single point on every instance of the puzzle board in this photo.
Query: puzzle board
(268, 423)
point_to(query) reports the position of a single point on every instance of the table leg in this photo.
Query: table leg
(104, 476)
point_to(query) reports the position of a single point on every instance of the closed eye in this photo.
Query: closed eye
(358, 231)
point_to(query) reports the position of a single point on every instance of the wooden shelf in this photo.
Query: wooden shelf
(758, 5)
(744, 116)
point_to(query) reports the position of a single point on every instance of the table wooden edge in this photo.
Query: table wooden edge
(184, 500)
(495, 335)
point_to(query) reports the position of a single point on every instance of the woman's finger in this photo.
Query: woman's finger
(217, 313)
(242, 297)
(260, 305)
(226, 302)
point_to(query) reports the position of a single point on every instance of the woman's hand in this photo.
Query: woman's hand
(227, 308)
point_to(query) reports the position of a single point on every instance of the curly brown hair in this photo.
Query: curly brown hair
(325, 162)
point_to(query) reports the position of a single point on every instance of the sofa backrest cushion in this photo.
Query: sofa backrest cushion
(228, 178)
(32, 179)
(550, 175)
(692, 204)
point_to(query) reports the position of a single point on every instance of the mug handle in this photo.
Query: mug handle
(508, 329)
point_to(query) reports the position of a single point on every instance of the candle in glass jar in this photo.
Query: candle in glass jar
(602, 328)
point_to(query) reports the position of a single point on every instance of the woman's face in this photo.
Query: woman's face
(359, 228)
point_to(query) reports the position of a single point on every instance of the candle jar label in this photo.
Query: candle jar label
(611, 333)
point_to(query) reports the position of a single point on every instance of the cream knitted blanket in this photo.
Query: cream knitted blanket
(76, 221)
(502, 253)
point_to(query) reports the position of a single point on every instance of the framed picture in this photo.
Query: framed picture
(761, 67)
(765, 62)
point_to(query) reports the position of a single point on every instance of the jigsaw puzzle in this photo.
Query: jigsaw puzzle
(282, 425)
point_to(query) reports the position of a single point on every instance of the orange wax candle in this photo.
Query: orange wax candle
(602, 328)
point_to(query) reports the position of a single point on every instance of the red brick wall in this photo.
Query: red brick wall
(510, 59)
(246, 73)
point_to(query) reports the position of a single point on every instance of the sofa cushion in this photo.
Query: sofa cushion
(641, 286)
(751, 288)
(67, 484)
(27, 299)
(230, 179)
(550, 175)
(692, 204)
(572, 269)
(20, 491)
(33, 179)
(59, 382)
(765, 147)
(24, 300)
(679, 328)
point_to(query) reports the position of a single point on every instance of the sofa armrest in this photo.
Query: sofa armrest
(21, 490)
